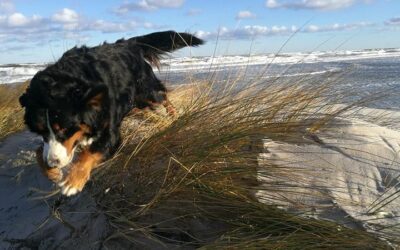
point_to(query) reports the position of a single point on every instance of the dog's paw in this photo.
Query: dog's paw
(54, 174)
(68, 190)
(73, 184)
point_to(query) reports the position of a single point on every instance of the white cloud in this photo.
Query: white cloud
(148, 5)
(76, 36)
(272, 4)
(112, 27)
(64, 24)
(395, 21)
(337, 27)
(6, 6)
(116, 27)
(66, 16)
(253, 31)
(204, 34)
(193, 12)
(17, 20)
(245, 14)
(246, 32)
(313, 4)
(165, 3)
(148, 25)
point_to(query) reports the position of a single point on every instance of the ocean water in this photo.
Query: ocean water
(12, 73)
(356, 76)
(360, 73)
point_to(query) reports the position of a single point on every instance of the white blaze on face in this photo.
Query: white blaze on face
(54, 152)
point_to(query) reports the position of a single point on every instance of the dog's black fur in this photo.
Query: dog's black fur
(98, 86)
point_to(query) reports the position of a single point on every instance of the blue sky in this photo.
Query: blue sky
(41, 30)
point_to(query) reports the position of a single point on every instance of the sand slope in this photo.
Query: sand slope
(342, 173)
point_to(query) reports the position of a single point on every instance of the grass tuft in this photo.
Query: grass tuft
(190, 180)
(11, 112)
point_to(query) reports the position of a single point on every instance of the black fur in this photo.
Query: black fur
(98, 86)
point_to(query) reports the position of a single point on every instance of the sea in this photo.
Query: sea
(359, 72)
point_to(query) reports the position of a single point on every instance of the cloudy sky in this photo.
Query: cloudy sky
(41, 30)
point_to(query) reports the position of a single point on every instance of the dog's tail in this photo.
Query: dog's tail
(156, 44)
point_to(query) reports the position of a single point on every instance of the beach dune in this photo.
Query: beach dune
(347, 173)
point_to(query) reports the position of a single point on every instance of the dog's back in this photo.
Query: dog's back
(121, 63)
(123, 68)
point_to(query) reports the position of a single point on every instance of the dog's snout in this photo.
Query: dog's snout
(53, 162)
(55, 154)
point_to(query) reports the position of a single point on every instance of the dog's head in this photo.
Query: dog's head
(63, 110)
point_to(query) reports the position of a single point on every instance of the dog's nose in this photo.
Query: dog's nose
(53, 162)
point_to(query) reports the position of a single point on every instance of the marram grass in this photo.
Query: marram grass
(10, 110)
(189, 181)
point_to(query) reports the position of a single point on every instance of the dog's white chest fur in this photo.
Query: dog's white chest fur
(55, 154)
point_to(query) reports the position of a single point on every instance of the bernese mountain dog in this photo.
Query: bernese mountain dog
(81, 100)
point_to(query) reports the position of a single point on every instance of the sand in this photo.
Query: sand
(25, 220)
(342, 174)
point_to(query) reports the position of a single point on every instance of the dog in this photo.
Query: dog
(81, 100)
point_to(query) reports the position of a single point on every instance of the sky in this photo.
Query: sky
(42, 30)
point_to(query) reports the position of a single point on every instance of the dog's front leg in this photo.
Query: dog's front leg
(79, 173)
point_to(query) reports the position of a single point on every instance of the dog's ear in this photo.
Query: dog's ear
(94, 98)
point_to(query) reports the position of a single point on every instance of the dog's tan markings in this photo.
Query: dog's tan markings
(77, 136)
(79, 173)
(54, 174)
(169, 107)
(95, 102)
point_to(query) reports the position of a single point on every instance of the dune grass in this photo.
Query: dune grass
(190, 180)
(11, 113)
